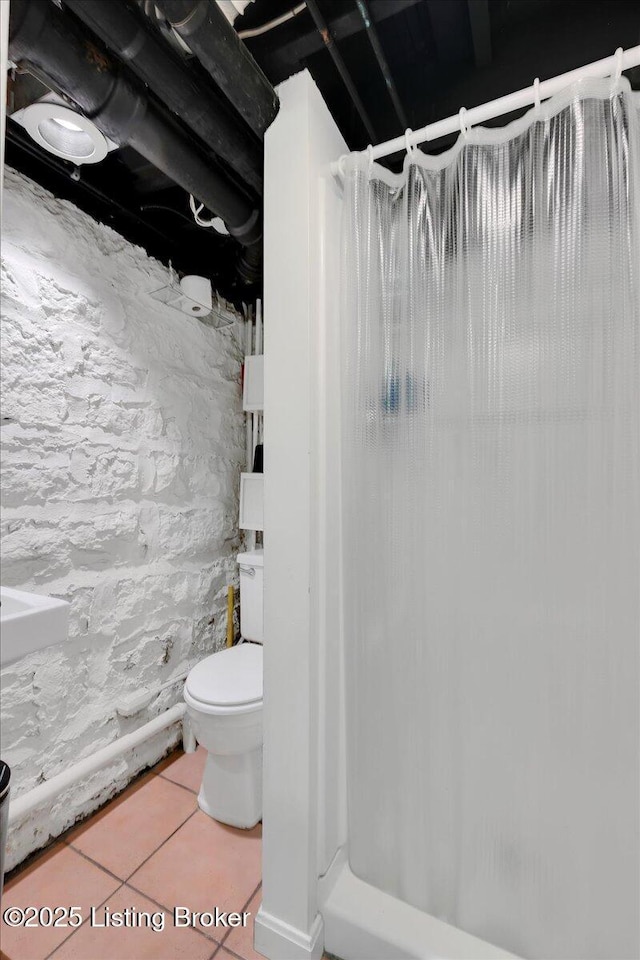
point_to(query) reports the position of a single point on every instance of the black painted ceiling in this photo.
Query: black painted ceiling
(434, 61)
(443, 54)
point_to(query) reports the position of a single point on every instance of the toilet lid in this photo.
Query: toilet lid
(229, 678)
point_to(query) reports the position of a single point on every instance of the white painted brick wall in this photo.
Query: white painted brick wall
(123, 441)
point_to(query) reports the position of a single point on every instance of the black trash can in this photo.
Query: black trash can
(5, 782)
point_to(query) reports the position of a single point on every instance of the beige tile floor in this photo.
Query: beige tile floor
(150, 849)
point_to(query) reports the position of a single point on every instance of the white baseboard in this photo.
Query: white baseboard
(278, 940)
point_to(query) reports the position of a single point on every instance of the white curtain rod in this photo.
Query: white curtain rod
(610, 66)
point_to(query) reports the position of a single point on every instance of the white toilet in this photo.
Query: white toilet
(223, 695)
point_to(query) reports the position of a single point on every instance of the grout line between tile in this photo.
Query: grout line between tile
(107, 803)
(160, 845)
(218, 944)
(169, 780)
(229, 932)
(139, 776)
(207, 936)
(232, 953)
(95, 863)
(64, 836)
(97, 906)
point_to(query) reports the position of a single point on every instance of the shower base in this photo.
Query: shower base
(363, 923)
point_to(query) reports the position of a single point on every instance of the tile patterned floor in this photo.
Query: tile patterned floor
(149, 850)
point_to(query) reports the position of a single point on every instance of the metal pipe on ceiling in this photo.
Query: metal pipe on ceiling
(379, 53)
(133, 39)
(271, 24)
(212, 39)
(55, 46)
(336, 56)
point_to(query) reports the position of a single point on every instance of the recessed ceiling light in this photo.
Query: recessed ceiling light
(66, 124)
(63, 132)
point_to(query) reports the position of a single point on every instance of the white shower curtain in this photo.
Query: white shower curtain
(491, 453)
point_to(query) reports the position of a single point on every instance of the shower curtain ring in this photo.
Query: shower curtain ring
(464, 126)
(617, 73)
(370, 155)
(409, 147)
(536, 94)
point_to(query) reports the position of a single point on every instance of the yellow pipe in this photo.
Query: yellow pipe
(230, 617)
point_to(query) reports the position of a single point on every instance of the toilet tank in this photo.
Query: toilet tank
(251, 594)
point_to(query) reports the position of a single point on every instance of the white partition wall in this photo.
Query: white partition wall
(311, 899)
(303, 822)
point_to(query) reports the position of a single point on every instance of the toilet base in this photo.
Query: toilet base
(231, 789)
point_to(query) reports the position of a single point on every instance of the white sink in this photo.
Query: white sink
(28, 622)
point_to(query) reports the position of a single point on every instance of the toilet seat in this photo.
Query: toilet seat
(229, 679)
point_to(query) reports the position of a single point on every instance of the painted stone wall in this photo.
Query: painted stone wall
(122, 437)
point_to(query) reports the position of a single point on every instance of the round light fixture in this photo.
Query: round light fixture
(66, 124)
(65, 133)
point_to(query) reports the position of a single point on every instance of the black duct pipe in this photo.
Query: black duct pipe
(336, 56)
(210, 36)
(132, 38)
(53, 44)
